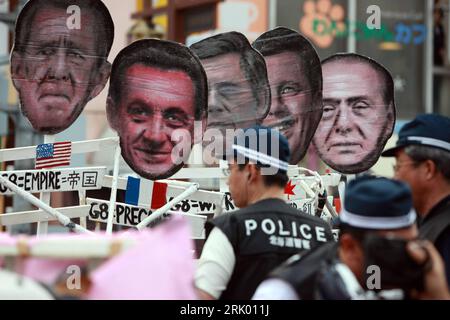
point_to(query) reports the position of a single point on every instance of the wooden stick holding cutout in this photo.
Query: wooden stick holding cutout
(155, 215)
(66, 222)
(42, 227)
(112, 200)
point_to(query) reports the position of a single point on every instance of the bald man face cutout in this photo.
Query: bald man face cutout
(358, 115)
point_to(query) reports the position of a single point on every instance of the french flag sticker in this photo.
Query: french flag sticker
(145, 193)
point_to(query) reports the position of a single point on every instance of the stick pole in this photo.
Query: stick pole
(112, 200)
(66, 222)
(42, 227)
(155, 215)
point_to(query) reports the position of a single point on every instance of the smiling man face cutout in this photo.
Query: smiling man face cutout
(295, 79)
(158, 90)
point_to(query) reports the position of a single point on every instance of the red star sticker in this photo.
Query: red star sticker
(289, 189)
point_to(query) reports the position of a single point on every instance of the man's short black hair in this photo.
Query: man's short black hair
(103, 23)
(358, 234)
(280, 40)
(280, 179)
(251, 61)
(388, 82)
(163, 55)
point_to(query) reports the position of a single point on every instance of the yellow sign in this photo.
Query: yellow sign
(156, 4)
(161, 20)
(160, 3)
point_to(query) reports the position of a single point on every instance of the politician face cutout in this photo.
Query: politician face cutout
(358, 115)
(158, 90)
(295, 79)
(59, 60)
(239, 94)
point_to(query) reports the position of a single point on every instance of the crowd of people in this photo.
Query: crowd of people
(397, 227)
(393, 234)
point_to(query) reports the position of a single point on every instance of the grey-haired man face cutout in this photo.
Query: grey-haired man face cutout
(58, 71)
(356, 121)
(231, 101)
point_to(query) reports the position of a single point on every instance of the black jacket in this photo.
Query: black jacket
(436, 228)
(264, 235)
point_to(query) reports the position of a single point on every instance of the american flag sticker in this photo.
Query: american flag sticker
(51, 155)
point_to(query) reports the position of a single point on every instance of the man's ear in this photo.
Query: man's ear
(316, 112)
(352, 254)
(16, 69)
(111, 113)
(265, 96)
(431, 169)
(200, 128)
(390, 117)
(253, 172)
(100, 79)
(349, 245)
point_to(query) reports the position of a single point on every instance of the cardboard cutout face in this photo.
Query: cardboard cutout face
(58, 62)
(359, 112)
(295, 79)
(239, 95)
(158, 90)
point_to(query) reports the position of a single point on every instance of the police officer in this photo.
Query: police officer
(242, 247)
(423, 161)
(377, 229)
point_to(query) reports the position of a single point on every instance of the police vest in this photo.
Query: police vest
(436, 221)
(303, 272)
(264, 235)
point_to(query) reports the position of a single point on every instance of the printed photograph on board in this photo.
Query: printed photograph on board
(358, 112)
(239, 94)
(295, 78)
(158, 89)
(59, 60)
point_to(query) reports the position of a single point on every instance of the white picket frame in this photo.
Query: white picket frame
(158, 213)
(195, 220)
(50, 248)
(25, 153)
(65, 221)
(293, 172)
(174, 189)
(40, 215)
(180, 190)
(78, 147)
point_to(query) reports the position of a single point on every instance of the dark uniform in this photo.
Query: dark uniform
(370, 203)
(431, 131)
(264, 235)
(304, 274)
(436, 228)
